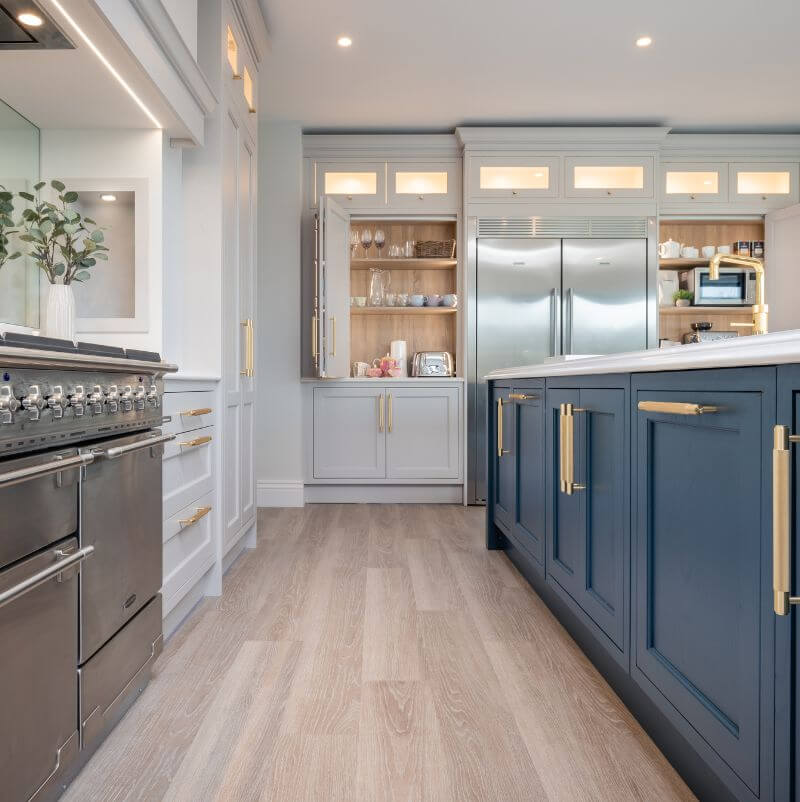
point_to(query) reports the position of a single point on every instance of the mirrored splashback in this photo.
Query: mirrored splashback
(19, 171)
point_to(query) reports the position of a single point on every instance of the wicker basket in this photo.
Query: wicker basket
(435, 249)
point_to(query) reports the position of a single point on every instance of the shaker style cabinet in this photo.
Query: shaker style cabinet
(609, 177)
(703, 627)
(352, 184)
(424, 186)
(587, 481)
(767, 185)
(395, 432)
(513, 176)
(694, 183)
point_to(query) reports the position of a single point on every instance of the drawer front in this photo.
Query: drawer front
(188, 548)
(189, 411)
(188, 469)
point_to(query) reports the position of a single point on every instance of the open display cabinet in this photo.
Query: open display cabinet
(674, 321)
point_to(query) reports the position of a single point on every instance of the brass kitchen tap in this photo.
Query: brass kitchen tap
(760, 309)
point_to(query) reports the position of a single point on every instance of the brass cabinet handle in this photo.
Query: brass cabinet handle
(782, 520)
(676, 408)
(566, 455)
(193, 413)
(249, 334)
(389, 403)
(201, 513)
(333, 335)
(523, 397)
(198, 441)
(380, 412)
(314, 337)
(500, 450)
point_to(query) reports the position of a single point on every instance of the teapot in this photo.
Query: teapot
(669, 250)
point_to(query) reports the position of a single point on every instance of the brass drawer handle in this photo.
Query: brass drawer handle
(676, 408)
(193, 413)
(380, 413)
(198, 441)
(201, 513)
(389, 404)
(782, 520)
(523, 397)
(500, 449)
(566, 461)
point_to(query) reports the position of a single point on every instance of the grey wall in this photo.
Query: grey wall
(279, 434)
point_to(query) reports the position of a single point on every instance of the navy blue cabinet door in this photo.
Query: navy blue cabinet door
(529, 447)
(702, 587)
(501, 453)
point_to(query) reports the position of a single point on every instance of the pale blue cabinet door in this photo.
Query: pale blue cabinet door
(700, 589)
(503, 491)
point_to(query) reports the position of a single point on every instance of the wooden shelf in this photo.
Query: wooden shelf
(403, 310)
(403, 264)
(706, 310)
(674, 264)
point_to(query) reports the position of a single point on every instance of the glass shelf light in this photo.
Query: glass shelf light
(692, 182)
(351, 183)
(758, 182)
(433, 183)
(514, 177)
(609, 176)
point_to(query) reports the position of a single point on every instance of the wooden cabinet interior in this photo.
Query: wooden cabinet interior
(371, 333)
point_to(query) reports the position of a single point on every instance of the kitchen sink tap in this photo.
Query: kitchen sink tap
(760, 309)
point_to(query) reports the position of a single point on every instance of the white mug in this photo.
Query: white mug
(723, 249)
(689, 252)
(360, 369)
(708, 251)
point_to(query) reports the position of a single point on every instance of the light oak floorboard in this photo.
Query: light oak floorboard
(375, 652)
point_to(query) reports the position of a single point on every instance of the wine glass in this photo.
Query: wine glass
(366, 240)
(380, 239)
(355, 238)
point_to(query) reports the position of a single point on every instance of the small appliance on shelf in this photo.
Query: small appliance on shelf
(433, 364)
(701, 333)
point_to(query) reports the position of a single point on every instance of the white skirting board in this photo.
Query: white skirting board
(384, 494)
(273, 493)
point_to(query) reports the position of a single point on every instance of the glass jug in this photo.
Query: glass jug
(378, 284)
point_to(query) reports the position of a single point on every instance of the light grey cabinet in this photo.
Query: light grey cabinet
(422, 433)
(349, 437)
(394, 433)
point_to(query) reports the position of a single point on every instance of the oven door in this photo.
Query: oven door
(39, 688)
(121, 518)
(730, 290)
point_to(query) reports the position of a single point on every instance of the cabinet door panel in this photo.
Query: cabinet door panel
(698, 566)
(354, 185)
(425, 186)
(529, 447)
(566, 539)
(605, 509)
(500, 454)
(422, 433)
(349, 441)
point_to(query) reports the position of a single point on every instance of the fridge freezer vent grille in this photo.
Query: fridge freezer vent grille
(562, 227)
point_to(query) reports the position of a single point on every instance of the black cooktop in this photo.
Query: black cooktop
(16, 340)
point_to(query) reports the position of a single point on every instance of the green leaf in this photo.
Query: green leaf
(27, 196)
(87, 263)
(70, 197)
(38, 186)
(46, 226)
(26, 238)
(97, 236)
(59, 269)
(57, 185)
(100, 255)
(6, 196)
(37, 234)
(83, 275)
(89, 221)
(70, 228)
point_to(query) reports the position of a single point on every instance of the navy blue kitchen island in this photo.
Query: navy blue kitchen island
(635, 493)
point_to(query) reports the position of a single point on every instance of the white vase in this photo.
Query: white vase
(60, 314)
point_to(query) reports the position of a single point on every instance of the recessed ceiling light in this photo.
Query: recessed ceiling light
(108, 197)
(644, 41)
(344, 41)
(27, 18)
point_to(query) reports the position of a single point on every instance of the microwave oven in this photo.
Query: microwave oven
(736, 286)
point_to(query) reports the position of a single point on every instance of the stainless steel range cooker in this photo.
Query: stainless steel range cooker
(80, 551)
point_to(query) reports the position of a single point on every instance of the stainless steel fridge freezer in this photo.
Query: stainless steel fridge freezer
(536, 297)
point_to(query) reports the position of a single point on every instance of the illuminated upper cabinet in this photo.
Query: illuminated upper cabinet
(510, 177)
(356, 185)
(434, 186)
(232, 52)
(609, 177)
(694, 183)
(247, 89)
(764, 185)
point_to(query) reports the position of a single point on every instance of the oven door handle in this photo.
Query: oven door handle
(44, 469)
(121, 451)
(45, 575)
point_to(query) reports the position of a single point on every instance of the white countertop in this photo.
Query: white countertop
(769, 349)
(399, 380)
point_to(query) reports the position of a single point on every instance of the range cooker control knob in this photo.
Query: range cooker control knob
(152, 396)
(112, 399)
(139, 398)
(95, 400)
(78, 401)
(33, 402)
(57, 402)
(8, 405)
(126, 398)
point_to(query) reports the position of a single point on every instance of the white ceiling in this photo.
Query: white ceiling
(434, 64)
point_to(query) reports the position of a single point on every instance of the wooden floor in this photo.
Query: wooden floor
(367, 652)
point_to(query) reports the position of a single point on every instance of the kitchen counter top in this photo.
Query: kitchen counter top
(770, 349)
(400, 380)
(36, 358)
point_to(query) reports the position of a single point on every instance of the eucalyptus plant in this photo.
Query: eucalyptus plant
(6, 226)
(63, 243)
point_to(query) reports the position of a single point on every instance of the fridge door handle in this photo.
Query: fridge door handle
(568, 315)
(553, 320)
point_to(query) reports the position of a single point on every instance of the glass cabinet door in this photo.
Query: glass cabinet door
(424, 185)
(609, 177)
(694, 183)
(509, 177)
(764, 185)
(354, 185)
